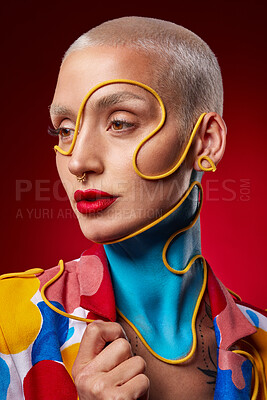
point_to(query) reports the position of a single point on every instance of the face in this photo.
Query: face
(114, 200)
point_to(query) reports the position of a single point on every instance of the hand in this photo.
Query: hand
(111, 372)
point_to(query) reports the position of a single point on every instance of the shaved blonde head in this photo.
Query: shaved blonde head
(188, 74)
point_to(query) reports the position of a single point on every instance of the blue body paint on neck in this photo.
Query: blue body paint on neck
(157, 302)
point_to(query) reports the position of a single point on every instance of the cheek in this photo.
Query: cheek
(118, 165)
(163, 194)
(145, 193)
(160, 153)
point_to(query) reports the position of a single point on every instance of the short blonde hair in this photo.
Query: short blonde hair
(187, 70)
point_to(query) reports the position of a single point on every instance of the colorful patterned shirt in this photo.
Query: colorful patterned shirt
(38, 346)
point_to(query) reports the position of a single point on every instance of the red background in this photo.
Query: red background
(36, 228)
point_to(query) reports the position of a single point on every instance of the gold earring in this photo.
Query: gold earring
(206, 169)
(81, 178)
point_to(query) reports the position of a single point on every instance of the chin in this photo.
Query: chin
(109, 226)
(97, 228)
(101, 232)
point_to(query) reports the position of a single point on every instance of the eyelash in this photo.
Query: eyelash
(56, 132)
(52, 131)
(122, 121)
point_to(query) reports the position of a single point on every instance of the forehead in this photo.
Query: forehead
(83, 69)
(112, 94)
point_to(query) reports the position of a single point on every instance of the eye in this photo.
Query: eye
(120, 125)
(65, 132)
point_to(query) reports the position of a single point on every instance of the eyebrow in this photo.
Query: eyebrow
(115, 98)
(102, 103)
(56, 109)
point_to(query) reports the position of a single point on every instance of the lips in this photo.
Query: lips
(93, 200)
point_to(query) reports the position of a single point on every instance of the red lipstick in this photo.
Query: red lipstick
(93, 200)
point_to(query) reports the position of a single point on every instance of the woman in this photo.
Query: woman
(137, 110)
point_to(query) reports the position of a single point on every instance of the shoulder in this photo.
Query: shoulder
(233, 319)
(258, 318)
(81, 286)
(224, 301)
(19, 287)
(241, 335)
(20, 317)
(255, 315)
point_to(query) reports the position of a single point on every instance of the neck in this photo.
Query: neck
(157, 302)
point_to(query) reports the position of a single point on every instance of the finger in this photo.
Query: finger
(136, 388)
(95, 337)
(127, 370)
(111, 356)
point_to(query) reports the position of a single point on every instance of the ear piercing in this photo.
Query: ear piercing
(206, 169)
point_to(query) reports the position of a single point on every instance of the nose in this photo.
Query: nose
(88, 154)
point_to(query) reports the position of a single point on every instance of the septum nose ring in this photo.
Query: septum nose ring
(81, 178)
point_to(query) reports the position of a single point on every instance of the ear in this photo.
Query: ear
(210, 140)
